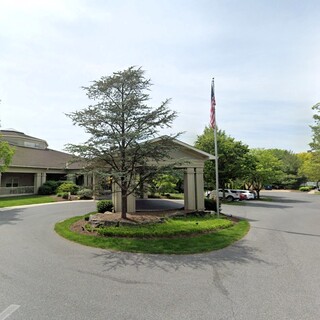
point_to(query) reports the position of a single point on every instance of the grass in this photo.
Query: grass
(181, 245)
(170, 228)
(24, 200)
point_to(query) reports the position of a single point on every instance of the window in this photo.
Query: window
(12, 182)
(32, 145)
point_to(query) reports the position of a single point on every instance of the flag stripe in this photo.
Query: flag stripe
(213, 107)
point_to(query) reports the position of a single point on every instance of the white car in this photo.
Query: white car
(250, 195)
(230, 195)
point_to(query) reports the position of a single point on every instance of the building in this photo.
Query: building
(34, 163)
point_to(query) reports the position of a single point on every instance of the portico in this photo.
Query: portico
(191, 161)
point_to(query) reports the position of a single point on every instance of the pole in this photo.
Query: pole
(217, 171)
(214, 127)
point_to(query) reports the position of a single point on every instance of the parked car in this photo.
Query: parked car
(230, 195)
(249, 195)
(242, 195)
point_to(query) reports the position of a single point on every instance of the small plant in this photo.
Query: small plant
(68, 187)
(104, 205)
(85, 194)
(65, 195)
(305, 189)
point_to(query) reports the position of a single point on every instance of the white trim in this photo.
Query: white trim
(187, 146)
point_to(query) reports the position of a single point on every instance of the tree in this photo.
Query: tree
(315, 144)
(310, 167)
(234, 157)
(165, 183)
(290, 164)
(266, 171)
(124, 130)
(6, 154)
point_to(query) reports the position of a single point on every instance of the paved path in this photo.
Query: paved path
(273, 273)
(158, 204)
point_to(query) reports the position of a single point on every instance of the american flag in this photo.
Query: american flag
(213, 107)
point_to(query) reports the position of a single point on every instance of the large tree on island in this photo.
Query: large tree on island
(122, 129)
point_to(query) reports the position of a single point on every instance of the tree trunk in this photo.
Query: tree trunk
(124, 202)
(124, 205)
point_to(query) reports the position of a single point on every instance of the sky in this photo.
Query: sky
(263, 54)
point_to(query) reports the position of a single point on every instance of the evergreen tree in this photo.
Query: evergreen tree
(124, 130)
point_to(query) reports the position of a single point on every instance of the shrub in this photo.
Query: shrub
(104, 205)
(53, 184)
(45, 190)
(85, 194)
(210, 204)
(68, 187)
(305, 189)
(49, 187)
(65, 195)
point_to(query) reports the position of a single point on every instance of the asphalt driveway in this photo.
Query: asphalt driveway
(270, 274)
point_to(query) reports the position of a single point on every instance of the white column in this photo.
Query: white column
(199, 189)
(145, 191)
(37, 181)
(131, 203)
(116, 197)
(86, 180)
(43, 177)
(189, 189)
(116, 200)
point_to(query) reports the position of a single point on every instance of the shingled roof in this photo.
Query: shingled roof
(42, 158)
(31, 152)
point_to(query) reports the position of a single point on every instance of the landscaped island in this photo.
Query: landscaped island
(192, 233)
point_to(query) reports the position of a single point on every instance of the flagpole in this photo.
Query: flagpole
(214, 127)
(217, 171)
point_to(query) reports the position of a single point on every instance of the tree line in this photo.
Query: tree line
(243, 168)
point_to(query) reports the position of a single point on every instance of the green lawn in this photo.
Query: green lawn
(24, 200)
(169, 228)
(179, 245)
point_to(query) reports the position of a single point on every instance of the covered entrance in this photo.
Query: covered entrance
(192, 163)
